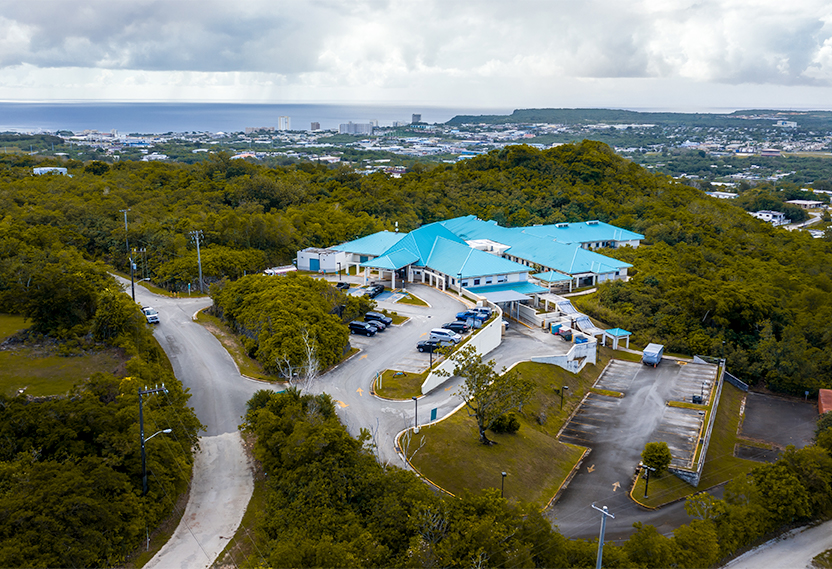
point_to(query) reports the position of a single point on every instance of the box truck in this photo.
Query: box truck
(652, 354)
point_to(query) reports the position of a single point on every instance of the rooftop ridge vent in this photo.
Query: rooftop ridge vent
(561, 225)
(593, 222)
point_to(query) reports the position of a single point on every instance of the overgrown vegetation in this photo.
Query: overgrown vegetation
(330, 503)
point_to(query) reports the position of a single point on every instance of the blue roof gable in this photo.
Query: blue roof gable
(371, 245)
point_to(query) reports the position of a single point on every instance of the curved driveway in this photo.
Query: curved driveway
(222, 481)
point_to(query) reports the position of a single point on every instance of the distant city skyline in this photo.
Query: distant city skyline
(676, 55)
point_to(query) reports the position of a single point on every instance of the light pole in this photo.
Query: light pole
(339, 271)
(459, 283)
(129, 256)
(196, 235)
(416, 413)
(647, 471)
(503, 483)
(605, 513)
(141, 432)
(561, 395)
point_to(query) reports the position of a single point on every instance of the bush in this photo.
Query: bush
(506, 424)
(656, 455)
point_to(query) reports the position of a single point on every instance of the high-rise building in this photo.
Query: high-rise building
(416, 118)
(284, 123)
(315, 126)
(356, 128)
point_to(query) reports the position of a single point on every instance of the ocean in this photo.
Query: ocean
(157, 118)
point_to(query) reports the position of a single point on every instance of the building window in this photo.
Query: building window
(464, 283)
(476, 282)
(488, 280)
(502, 279)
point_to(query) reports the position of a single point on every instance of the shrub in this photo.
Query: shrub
(506, 424)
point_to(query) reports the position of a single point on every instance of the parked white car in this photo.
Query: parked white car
(151, 314)
(445, 335)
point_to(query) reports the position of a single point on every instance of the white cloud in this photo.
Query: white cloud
(492, 52)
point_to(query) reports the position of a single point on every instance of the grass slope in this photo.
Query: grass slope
(535, 461)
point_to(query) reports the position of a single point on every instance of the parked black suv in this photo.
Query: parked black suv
(378, 317)
(379, 326)
(375, 290)
(341, 285)
(429, 345)
(365, 328)
(458, 327)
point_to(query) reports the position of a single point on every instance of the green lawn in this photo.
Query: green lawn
(536, 462)
(9, 324)
(412, 299)
(720, 463)
(40, 371)
(400, 385)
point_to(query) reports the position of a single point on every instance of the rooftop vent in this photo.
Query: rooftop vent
(593, 222)
(561, 225)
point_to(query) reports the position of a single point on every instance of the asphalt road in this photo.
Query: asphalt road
(222, 482)
(793, 550)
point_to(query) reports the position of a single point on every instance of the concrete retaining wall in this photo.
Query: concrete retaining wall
(736, 382)
(574, 360)
(485, 340)
(692, 477)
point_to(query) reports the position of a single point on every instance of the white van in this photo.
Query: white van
(445, 335)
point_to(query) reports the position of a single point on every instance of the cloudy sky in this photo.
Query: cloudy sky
(647, 54)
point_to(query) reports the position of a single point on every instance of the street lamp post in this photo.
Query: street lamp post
(141, 432)
(459, 283)
(503, 483)
(129, 256)
(339, 271)
(605, 513)
(647, 471)
(416, 413)
(561, 395)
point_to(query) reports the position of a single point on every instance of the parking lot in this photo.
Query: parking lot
(616, 429)
(778, 420)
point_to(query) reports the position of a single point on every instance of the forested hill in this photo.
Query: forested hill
(708, 271)
(821, 120)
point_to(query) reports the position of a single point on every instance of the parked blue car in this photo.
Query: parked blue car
(471, 314)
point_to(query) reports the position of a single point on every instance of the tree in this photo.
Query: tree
(488, 395)
(656, 455)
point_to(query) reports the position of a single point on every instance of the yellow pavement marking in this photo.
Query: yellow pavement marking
(447, 389)
(615, 486)
(590, 468)
(360, 392)
(362, 357)
(341, 404)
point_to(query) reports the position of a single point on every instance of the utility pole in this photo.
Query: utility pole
(196, 235)
(604, 515)
(129, 256)
(141, 431)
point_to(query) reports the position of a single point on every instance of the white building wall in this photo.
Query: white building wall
(484, 341)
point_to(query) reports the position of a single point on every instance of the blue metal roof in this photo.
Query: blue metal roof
(583, 232)
(392, 261)
(617, 332)
(421, 242)
(521, 287)
(371, 245)
(535, 244)
(454, 258)
(552, 277)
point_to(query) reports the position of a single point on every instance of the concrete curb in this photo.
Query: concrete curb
(565, 484)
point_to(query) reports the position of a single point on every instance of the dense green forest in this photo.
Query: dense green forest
(816, 120)
(707, 273)
(331, 504)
